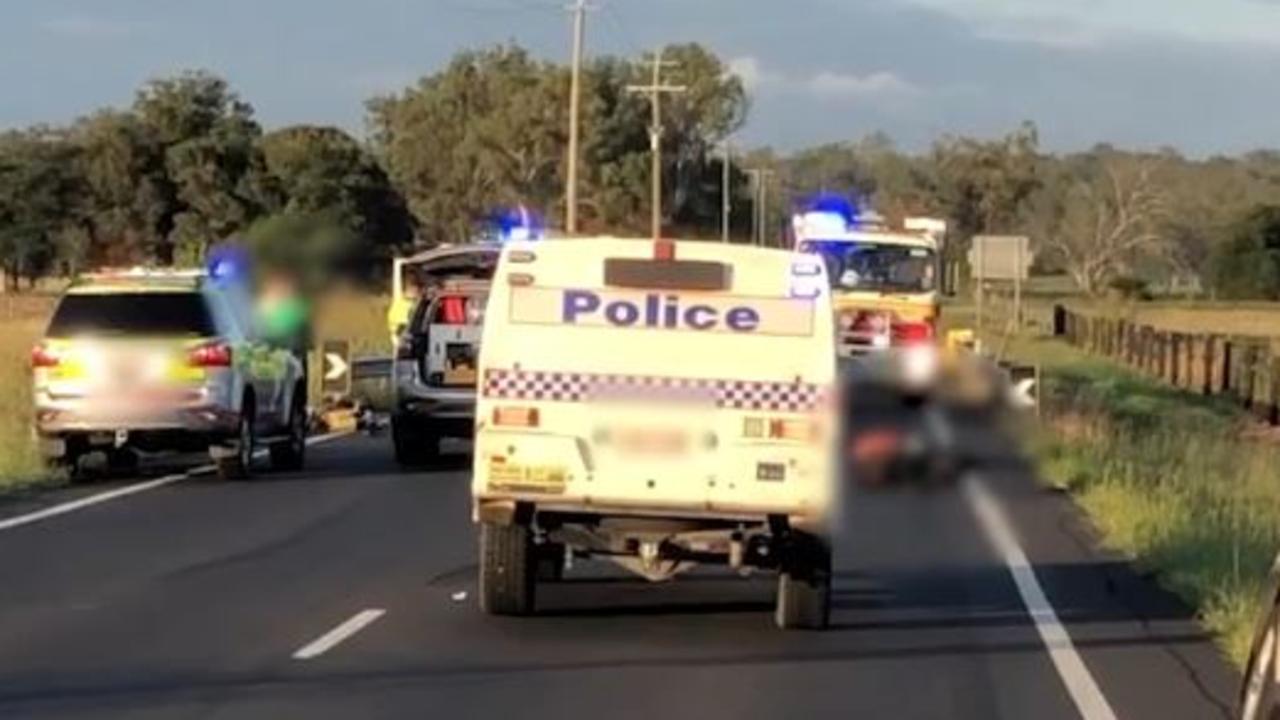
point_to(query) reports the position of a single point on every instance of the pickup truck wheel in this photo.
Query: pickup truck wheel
(238, 465)
(804, 588)
(507, 569)
(414, 446)
(291, 454)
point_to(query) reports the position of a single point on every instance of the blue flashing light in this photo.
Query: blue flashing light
(832, 204)
(518, 225)
(227, 264)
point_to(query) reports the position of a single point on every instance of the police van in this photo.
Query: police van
(661, 405)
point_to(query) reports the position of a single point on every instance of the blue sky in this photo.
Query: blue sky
(1199, 75)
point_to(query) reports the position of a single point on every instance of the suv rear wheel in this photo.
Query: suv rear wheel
(291, 453)
(507, 569)
(237, 466)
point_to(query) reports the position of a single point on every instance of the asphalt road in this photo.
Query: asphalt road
(202, 599)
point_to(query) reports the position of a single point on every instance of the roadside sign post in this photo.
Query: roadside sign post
(1017, 286)
(335, 365)
(982, 257)
(1001, 258)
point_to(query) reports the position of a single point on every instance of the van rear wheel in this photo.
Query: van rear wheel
(804, 587)
(507, 569)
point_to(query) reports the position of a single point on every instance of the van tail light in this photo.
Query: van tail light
(912, 332)
(210, 355)
(515, 417)
(779, 429)
(44, 357)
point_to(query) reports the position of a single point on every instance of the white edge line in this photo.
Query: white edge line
(1082, 687)
(336, 636)
(91, 500)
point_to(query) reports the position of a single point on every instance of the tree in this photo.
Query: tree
(984, 186)
(311, 246)
(38, 191)
(490, 131)
(128, 205)
(323, 171)
(208, 137)
(1247, 266)
(487, 132)
(1107, 219)
(713, 105)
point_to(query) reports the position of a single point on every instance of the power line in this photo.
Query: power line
(617, 24)
(655, 90)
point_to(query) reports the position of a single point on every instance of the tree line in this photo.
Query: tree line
(187, 166)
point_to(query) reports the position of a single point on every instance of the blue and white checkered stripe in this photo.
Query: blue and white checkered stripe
(550, 386)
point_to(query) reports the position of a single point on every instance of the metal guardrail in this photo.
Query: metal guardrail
(370, 368)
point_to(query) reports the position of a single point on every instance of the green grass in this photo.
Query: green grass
(1169, 478)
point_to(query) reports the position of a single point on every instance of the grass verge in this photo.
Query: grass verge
(20, 462)
(1170, 478)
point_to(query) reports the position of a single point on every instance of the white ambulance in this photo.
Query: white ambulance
(662, 405)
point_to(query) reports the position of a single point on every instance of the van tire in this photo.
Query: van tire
(804, 587)
(507, 569)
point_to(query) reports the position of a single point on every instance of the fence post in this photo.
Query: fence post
(1210, 360)
(1273, 407)
(1228, 357)
(1246, 386)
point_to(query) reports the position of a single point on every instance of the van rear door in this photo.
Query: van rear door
(650, 375)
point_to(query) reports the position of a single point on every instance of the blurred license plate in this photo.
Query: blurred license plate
(529, 478)
(652, 442)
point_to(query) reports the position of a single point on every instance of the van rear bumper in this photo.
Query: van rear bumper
(507, 510)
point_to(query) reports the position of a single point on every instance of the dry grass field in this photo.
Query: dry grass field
(19, 460)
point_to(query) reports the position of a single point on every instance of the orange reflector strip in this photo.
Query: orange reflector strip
(515, 416)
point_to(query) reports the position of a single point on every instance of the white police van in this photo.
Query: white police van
(661, 405)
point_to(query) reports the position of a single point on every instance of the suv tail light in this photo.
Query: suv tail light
(215, 354)
(43, 357)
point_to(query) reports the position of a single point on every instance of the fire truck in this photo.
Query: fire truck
(884, 288)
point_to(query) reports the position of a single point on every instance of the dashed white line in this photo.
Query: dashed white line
(99, 498)
(1084, 690)
(336, 636)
